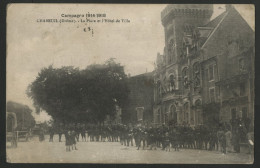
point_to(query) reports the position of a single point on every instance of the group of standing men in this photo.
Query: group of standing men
(225, 137)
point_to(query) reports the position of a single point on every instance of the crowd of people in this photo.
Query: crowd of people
(224, 137)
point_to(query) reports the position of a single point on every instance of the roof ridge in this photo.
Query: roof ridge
(224, 16)
(215, 19)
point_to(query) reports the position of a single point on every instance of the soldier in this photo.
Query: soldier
(190, 138)
(68, 142)
(60, 132)
(152, 138)
(167, 142)
(129, 137)
(51, 134)
(198, 137)
(77, 130)
(222, 140)
(205, 136)
(73, 139)
(102, 134)
(236, 141)
(213, 139)
(83, 132)
(137, 136)
(228, 135)
(176, 139)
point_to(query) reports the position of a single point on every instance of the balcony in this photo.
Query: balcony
(172, 95)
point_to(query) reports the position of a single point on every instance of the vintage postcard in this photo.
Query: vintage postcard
(130, 83)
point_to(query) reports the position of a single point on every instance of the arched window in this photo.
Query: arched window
(196, 74)
(185, 77)
(172, 83)
(159, 116)
(186, 113)
(166, 117)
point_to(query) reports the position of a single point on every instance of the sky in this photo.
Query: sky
(33, 45)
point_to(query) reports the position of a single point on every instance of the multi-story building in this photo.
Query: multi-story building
(205, 75)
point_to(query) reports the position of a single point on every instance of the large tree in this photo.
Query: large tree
(70, 94)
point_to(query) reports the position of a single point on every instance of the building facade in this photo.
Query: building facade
(206, 73)
(139, 107)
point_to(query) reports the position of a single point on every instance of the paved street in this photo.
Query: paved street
(112, 152)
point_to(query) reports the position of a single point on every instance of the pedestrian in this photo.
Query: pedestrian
(176, 136)
(228, 135)
(236, 141)
(68, 142)
(73, 138)
(60, 132)
(152, 139)
(83, 133)
(51, 134)
(167, 142)
(222, 140)
(137, 136)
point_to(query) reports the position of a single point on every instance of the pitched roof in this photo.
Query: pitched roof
(214, 22)
(229, 18)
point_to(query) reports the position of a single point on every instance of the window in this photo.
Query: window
(211, 72)
(186, 113)
(159, 116)
(185, 77)
(192, 117)
(172, 83)
(212, 94)
(242, 89)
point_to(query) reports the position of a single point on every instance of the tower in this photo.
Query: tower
(181, 24)
(179, 20)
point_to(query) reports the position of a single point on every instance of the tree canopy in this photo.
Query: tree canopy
(71, 94)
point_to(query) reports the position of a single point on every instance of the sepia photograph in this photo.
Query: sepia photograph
(130, 83)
